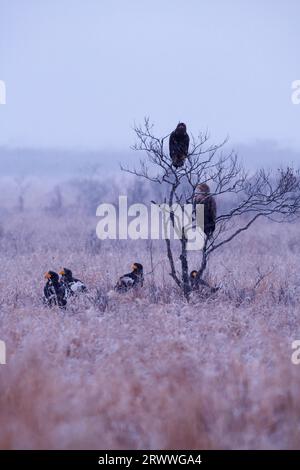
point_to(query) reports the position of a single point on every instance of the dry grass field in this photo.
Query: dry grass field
(147, 370)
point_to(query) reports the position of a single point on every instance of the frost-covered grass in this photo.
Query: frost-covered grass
(147, 370)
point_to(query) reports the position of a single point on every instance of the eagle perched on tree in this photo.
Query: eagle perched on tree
(179, 145)
(203, 196)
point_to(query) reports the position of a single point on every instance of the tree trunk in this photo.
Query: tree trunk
(184, 268)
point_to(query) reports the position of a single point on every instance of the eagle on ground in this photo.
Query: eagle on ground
(54, 291)
(131, 280)
(72, 285)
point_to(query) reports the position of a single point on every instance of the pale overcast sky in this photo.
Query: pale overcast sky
(79, 73)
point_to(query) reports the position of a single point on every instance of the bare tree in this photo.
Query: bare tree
(272, 194)
(23, 185)
(56, 205)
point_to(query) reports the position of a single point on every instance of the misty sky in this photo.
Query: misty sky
(80, 73)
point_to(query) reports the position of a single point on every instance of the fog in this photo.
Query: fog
(79, 74)
(57, 164)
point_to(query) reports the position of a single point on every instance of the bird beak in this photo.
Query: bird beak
(133, 267)
(47, 276)
(194, 274)
(62, 273)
